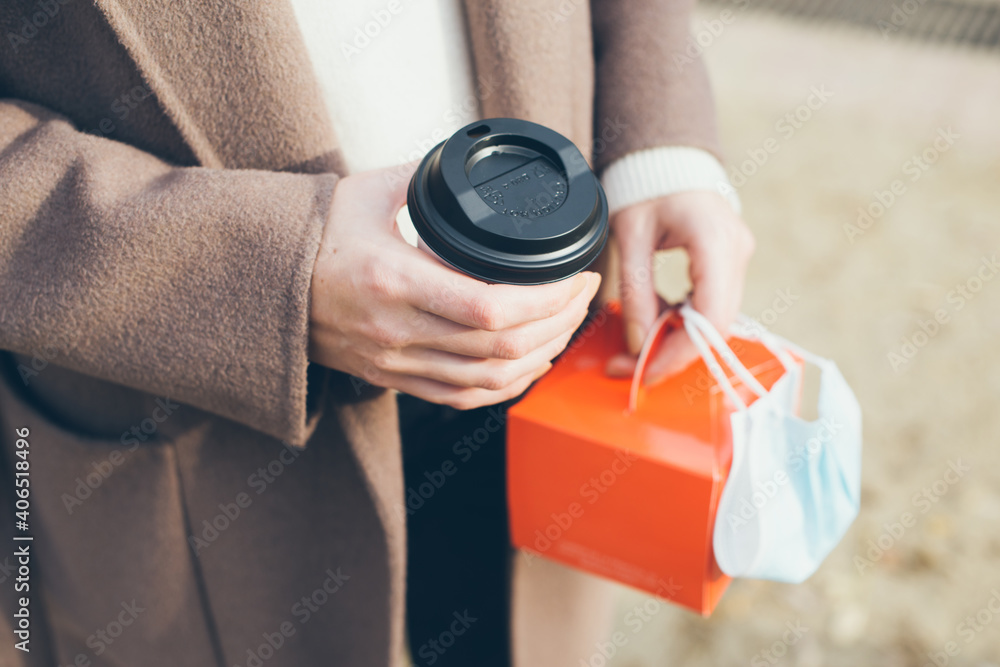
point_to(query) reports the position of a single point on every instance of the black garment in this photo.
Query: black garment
(459, 555)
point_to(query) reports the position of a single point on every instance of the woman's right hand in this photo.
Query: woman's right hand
(397, 317)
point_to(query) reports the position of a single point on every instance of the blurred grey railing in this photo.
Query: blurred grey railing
(969, 22)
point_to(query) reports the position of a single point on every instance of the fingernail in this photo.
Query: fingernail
(591, 291)
(651, 379)
(580, 283)
(620, 366)
(542, 371)
(635, 336)
(660, 374)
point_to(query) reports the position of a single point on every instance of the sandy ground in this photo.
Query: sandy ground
(859, 298)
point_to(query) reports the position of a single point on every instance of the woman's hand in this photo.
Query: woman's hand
(397, 317)
(719, 246)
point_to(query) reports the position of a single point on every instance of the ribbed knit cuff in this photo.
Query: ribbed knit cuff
(657, 172)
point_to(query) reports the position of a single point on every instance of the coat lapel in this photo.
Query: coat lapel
(234, 77)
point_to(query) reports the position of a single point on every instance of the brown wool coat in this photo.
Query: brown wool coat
(166, 169)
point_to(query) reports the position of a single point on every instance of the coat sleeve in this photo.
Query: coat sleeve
(652, 89)
(189, 283)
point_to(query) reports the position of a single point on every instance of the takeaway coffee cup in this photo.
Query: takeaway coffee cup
(509, 201)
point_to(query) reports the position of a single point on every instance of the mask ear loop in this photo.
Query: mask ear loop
(693, 319)
(752, 330)
(712, 363)
(778, 346)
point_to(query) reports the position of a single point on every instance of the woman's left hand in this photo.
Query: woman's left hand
(719, 245)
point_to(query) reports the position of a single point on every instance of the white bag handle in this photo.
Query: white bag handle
(655, 332)
(640, 365)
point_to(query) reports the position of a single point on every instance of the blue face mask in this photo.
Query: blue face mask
(795, 486)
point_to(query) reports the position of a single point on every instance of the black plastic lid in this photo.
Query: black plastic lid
(509, 201)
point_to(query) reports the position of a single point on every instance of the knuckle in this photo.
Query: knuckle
(495, 380)
(491, 383)
(371, 374)
(633, 231)
(385, 336)
(487, 313)
(511, 346)
(384, 361)
(462, 401)
(381, 281)
(554, 302)
(630, 220)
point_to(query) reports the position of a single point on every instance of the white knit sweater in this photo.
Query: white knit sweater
(397, 79)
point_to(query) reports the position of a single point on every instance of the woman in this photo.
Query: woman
(182, 225)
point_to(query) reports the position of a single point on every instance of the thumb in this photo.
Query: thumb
(640, 304)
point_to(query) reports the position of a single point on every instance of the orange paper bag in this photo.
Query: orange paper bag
(627, 494)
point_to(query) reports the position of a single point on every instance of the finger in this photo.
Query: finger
(717, 285)
(635, 237)
(709, 278)
(621, 365)
(676, 353)
(440, 334)
(530, 303)
(461, 398)
(465, 300)
(462, 371)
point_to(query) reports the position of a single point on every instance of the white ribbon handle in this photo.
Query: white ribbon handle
(647, 347)
(706, 339)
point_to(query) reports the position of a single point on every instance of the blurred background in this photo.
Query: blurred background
(877, 211)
